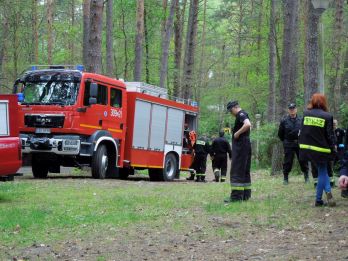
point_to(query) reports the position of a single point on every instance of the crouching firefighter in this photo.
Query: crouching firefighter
(241, 155)
(201, 150)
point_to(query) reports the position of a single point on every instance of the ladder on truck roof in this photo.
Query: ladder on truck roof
(153, 90)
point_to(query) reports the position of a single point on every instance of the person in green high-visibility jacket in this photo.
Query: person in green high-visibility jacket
(317, 143)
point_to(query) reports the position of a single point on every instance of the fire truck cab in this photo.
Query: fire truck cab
(10, 147)
(69, 117)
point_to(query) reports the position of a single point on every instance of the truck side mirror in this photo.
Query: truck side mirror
(93, 91)
(92, 100)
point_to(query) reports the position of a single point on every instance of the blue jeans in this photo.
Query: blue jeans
(323, 180)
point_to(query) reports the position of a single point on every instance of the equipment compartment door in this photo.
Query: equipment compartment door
(158, 127)
(142, 119)
(175, 123)
(4, 120)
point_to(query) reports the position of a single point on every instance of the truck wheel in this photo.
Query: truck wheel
(39, 168)
(170, 167)
(100, 162)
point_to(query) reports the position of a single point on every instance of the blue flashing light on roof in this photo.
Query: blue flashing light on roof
(33, 67)
(80, 67)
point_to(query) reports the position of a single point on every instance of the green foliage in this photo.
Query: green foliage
(344, 115)
(267, 136)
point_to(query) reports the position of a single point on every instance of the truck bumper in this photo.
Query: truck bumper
(57, 144)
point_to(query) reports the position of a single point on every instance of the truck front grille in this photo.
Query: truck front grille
(44, 120)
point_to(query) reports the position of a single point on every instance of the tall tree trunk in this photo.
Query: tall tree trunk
(125, 45)
(71, 41)
(202, 75)
(166, 42)
(189, 60)
(49, 30)
(178, 32)
(3, 40)
(239, 38)
(312, 53)
(259, 34)
(86, 30)
(147, 54)
(289, 56)
(35, 41)
(337, 53)
(272, 65)
(109, 39)
(294, 53)
(139, 41)
(95, 36)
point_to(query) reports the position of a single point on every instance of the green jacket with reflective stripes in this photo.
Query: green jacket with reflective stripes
(317, 140)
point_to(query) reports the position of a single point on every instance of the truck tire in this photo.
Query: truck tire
(100, 162)
(170, 167)
(39, 168)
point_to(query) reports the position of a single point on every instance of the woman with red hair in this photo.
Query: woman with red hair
(317, 143)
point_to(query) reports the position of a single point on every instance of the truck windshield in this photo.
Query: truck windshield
(50, 88)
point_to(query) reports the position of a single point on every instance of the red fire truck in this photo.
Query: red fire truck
(69, 117)
(10, 146)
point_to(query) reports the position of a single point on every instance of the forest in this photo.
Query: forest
(264, 53)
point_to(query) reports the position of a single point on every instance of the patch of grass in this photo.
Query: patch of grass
(44, 211)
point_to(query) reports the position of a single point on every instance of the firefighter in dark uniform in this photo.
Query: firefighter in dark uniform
(288, 133)
(241, 155)
(219, 149)
(340, 135)
(339, 141)
(201, 149)
(317, 143)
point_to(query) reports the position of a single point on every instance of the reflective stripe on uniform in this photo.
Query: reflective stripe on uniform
(237, 188)
(314, 121)
(315, 148)
(200, 175)
(200, 142)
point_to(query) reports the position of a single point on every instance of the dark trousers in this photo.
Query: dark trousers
(289, 154)
(220, 162)
(200, 165)
(240, 169)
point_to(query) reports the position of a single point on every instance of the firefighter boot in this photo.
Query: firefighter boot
(247, 194)
(223, 179)
(217, 175)
(330, 201)
(286, 179)
(192, 176)
(236, 196)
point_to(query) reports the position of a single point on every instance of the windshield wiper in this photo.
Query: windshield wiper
(31, 103)
(55, 103)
